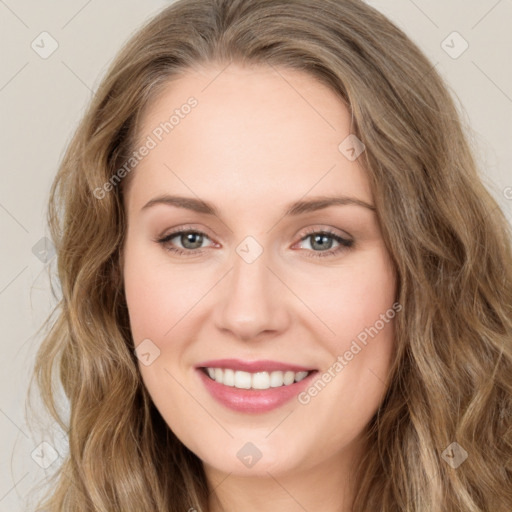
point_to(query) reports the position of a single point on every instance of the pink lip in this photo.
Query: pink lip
(253, 366)
(252, 400)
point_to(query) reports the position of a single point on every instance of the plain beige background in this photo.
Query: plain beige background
(43, 95)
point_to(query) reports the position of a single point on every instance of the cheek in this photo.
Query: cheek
(360, 309)
(352, 298)
(157, 295)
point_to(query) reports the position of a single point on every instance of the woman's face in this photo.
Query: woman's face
(282, 270)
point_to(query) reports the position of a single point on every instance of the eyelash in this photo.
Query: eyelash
(344, 243)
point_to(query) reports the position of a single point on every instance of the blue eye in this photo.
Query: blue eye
(190, 240)
(324, 241)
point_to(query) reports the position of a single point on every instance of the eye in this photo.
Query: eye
(321, 242)
(191, 241)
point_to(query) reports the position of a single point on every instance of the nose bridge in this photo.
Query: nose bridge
(251, 303)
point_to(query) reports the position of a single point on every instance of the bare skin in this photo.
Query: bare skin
(258, 140)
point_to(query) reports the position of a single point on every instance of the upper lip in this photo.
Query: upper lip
(253, 366)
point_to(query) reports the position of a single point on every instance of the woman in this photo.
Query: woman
(284, 286)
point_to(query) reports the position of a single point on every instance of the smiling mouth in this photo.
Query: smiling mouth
(257, 380)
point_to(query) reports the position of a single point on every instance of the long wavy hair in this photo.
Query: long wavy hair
(451, 244)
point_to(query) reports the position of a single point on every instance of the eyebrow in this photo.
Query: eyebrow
(293, 209)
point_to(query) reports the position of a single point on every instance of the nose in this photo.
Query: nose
(253, 303)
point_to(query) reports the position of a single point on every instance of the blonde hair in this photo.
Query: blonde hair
(452, 377)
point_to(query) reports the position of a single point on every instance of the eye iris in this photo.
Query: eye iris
(194, 238)
(319, 241)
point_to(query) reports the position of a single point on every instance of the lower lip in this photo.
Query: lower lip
(251, 400)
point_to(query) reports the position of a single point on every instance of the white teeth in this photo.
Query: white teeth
(261, 380)
(289, 378)
(242, 379)
(300, 375)
(228, 378)
(258, 380)
(276, 379)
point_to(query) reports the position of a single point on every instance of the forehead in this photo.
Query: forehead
(255, 132)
